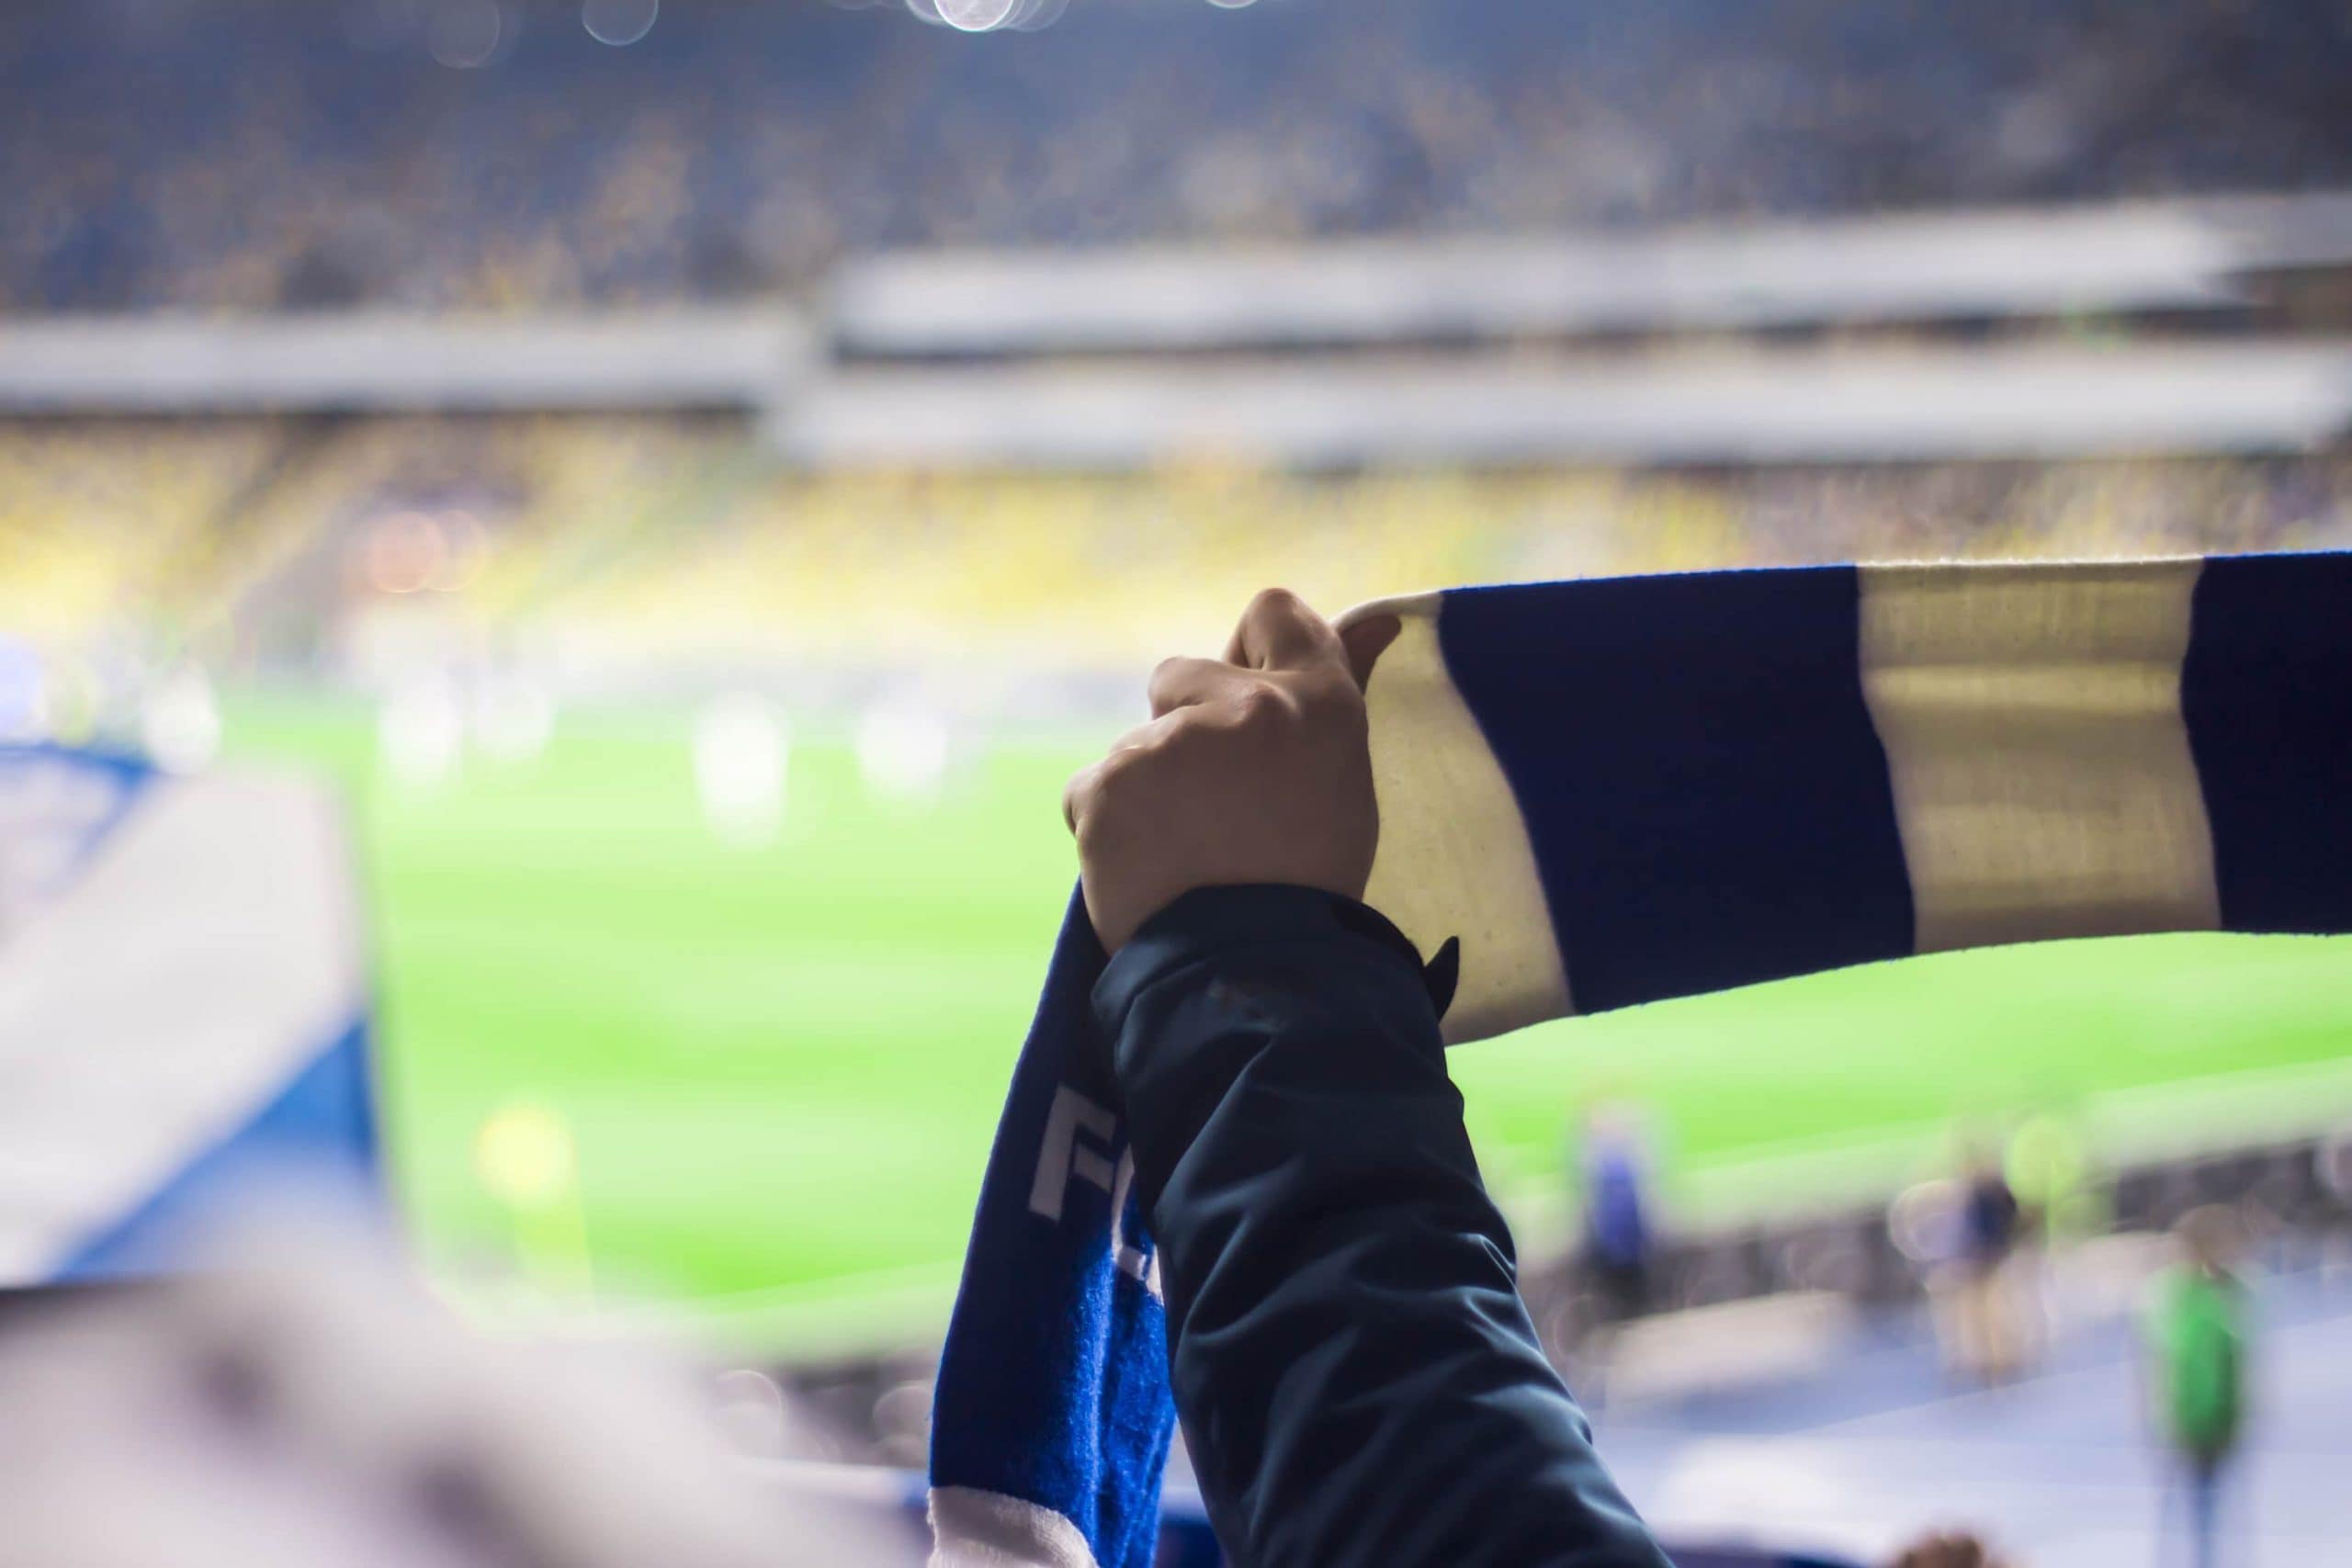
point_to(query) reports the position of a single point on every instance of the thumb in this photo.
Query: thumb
(1366, 641)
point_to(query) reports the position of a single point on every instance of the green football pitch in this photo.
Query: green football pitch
(779, 1068)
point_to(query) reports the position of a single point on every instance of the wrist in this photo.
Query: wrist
(1200, 925)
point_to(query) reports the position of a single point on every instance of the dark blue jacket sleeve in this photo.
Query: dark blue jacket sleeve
(1357, 1377)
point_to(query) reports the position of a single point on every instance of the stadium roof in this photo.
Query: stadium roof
(2018, 401)
(388, 363)
(2129, 258)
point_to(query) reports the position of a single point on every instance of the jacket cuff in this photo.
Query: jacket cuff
(1207, 921)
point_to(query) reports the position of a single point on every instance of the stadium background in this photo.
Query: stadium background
(705, 744)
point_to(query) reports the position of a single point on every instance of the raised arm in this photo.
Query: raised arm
(1358, 1378)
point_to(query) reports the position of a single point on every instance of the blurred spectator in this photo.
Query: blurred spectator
(2197, 1330)
(1619, 1244)
(296, 154)
(1990, 1333)
(2049, 1167)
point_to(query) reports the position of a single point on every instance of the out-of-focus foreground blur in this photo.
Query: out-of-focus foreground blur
(554, 557)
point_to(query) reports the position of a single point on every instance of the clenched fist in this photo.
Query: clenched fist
(1253, 769)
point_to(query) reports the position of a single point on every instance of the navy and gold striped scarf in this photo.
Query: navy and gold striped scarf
(1615, 792)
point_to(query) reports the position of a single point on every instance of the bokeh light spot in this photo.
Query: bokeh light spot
(525, 1156)
(464, 34)
(977, 16)
(619, 22)
(180, 722)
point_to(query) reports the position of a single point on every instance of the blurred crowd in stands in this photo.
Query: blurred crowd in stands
(287, 545)
(492, 153)
(636, 543)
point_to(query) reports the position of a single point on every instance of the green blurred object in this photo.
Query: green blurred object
(2196, 1331)
(781, 1066)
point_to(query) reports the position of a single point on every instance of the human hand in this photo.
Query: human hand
(1253, 769)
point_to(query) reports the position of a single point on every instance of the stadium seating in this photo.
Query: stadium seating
(247, 541)
(289, 153)
(107, 525)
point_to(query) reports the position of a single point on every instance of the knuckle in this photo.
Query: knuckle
(1114, 774)
(1334, 703)
(1123, 772)
(1260, 709)
(1098, 798)
(1185, 743)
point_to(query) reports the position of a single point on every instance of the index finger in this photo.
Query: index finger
(1186, 683)
(1278, 631)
